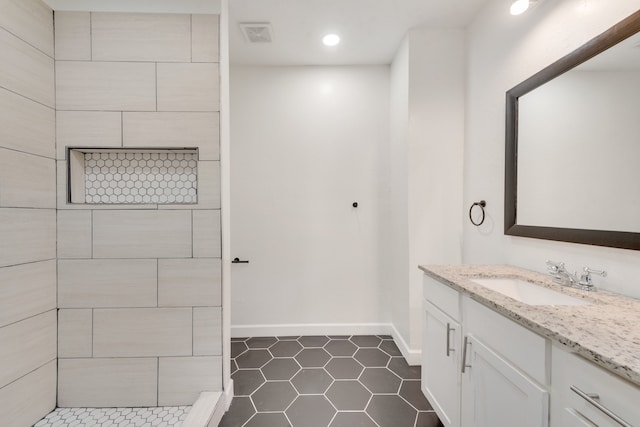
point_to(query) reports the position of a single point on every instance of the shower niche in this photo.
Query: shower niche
(132, 176)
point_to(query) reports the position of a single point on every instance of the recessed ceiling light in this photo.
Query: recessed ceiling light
(331, 39)
(520, 6)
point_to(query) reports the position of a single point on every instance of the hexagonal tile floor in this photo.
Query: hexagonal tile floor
(325, 381)
(116, 417)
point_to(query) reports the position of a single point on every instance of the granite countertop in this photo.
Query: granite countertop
(606, 332)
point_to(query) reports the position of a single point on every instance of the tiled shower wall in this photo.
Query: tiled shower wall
(27, 213)
(138, 285)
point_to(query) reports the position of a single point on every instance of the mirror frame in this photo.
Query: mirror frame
(616, 239)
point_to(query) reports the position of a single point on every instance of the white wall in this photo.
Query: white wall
(427, 117)
(306, 143)
(503, 51)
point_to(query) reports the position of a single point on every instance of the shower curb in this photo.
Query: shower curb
(207, 411)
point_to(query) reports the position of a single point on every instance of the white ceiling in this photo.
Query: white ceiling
(371, 30)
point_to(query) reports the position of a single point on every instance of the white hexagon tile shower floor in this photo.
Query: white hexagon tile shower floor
(172, 416)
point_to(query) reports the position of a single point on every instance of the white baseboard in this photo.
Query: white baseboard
(413, 356)
(241, 331)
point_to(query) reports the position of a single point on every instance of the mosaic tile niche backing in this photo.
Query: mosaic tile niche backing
(127, 177)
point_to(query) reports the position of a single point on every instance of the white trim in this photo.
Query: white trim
(228, 395)
(225, 197)
(412, 356)
(139, 6)
(241, 331)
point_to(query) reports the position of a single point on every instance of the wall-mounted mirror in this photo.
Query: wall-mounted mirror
(572, 165)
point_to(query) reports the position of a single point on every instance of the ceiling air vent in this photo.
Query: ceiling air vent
(257, 32)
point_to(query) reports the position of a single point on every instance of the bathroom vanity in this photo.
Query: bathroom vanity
(545, 355)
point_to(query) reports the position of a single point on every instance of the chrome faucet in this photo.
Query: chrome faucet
(563, 277)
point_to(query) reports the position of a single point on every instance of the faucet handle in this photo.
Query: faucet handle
(555, 264)
(554, 267)
(585, 278)
(589, 271)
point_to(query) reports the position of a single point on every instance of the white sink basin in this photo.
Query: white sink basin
(528, 293)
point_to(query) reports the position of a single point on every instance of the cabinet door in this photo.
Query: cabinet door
(441, 338)
(496, 394)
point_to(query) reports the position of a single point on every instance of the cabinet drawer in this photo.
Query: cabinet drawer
(442, 296)
(614, 393)
(523, 348)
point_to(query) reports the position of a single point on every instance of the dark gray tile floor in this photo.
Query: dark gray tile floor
(325, 381)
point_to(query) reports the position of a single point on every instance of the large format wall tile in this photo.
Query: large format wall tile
(93, 283)
(207, 331)
(138, 283)
(31, 71)
(141, 37)
(73, 36)
(189, 282)
(140, 332)
(26, 181)
(188, 87)
(105, 86)
(32, 233)
(182, 379)
(101, 383)
(141, 234)
(27, 290)
(205, 38)
(87, 129)
(75, 329)
(28, 399)
(208, 185)
(32, 21)
(174, 130)
(206, 234)
(26, 125)
(27, 345)
(74, 234)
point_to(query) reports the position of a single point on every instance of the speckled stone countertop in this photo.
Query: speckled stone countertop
(606, 332)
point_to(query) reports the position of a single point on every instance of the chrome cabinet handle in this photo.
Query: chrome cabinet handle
(464, 354)
(449, 330)
(592, 400)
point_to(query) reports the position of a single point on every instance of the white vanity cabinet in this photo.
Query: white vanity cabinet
(484, 366)
(506, 366)
(606, 400)
(441, 357)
